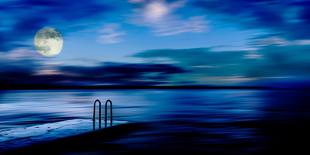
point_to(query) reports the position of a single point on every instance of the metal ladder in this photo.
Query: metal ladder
(105, 114)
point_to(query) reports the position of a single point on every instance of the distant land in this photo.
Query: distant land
(35, 86)
(58, 87)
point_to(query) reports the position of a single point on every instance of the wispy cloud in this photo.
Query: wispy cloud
(136, 1)
(288, 19)
(23, 66)
(237, 66)
(175, 26)
(253, 55)
(278, 41)
(180, 66)
(163, 20)
(111, 34)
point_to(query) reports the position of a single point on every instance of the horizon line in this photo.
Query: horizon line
(57, 87)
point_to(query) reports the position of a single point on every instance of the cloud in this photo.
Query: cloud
(220, 63)
(17, 66)
(20, 19)
(161, 17)
(123, 73)
(277, 41)
(207, 66)
(253, 55)
(22, 66)
(136, 1)
(200, 66)
(174, 26)
(110, 34)
(288, 19)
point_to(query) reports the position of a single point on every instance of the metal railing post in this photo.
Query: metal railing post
(106, 111)
(94, 114)
(105, 114)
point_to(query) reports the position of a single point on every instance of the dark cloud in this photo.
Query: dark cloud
(270, 63)
(17, 70)
(202, 60)
(289, 18)
(103, 74)
(123, 73)
(180, 66)
(20, 19)
(280, 61)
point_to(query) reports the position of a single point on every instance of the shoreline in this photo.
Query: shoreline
(161, 138)
(26, 136)
(82, 140)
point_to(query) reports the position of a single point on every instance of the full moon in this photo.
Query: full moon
(48, 41)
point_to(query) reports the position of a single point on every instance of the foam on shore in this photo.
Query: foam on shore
(19, 137)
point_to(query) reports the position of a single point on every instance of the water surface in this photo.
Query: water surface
(240, 121)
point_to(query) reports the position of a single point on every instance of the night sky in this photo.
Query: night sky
(157, 42)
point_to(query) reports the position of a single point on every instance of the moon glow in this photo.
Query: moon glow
(48, 42)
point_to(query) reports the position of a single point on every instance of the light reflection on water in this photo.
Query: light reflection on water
(237, 121)
(27, 108)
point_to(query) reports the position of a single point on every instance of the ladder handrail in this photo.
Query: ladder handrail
(94, 114)
(105, 113)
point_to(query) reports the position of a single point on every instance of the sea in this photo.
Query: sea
(217, 121)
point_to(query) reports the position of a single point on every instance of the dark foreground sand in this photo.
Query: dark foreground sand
(180, 137)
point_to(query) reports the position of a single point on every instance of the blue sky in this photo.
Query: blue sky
(205, 42)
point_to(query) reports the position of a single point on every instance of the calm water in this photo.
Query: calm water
(27, 108)
(244, 121)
